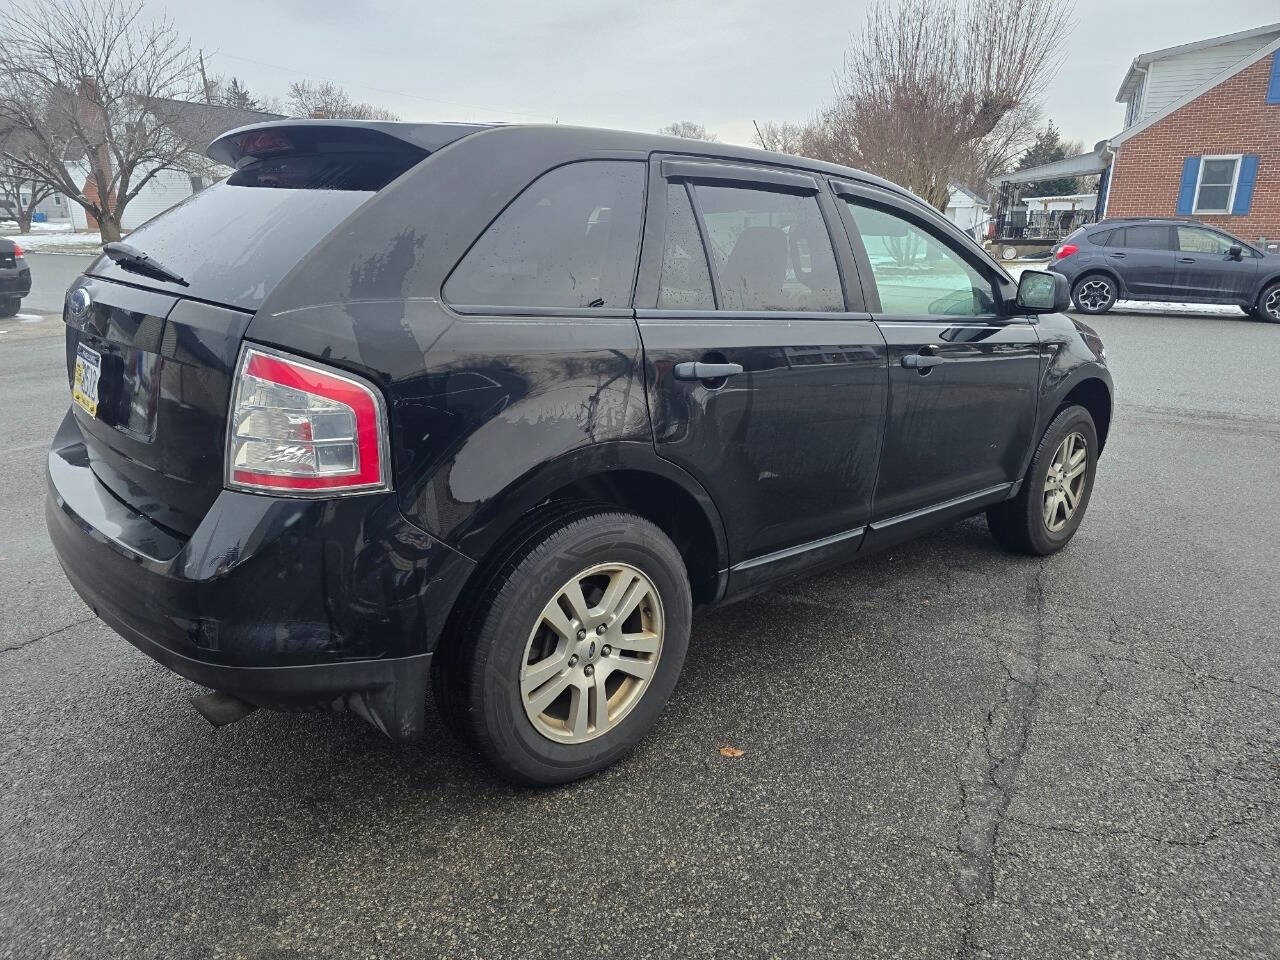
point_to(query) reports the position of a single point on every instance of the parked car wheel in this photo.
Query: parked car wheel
(1268, 307)
(1094, 293)
(571, 648)
(1047, 511)
(9, 306)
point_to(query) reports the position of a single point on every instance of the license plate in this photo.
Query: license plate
(84, 385)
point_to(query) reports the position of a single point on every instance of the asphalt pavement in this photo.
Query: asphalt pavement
(948, 751)
(51, 274)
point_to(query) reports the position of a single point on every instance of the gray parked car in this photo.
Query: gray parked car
(1182, 261)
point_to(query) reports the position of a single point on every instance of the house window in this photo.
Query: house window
(1217, 187)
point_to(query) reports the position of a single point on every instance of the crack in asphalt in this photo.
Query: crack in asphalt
(45, 636)
(1215, 834)
(987, 772)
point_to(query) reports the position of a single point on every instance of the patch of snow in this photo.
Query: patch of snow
(54, 240)
(59, 241)
(28, 317)
(1159, 306)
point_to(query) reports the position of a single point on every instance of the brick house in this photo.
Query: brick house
(1201, 138)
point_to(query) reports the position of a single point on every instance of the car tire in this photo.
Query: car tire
(9, 306)
(1267, 308)
(1094, 293)
(1052, 500)
(529, 664)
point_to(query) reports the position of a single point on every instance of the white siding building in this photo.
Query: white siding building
(966, 210)
(1158, 79)
(160, 193)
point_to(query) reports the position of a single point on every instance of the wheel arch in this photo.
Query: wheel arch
(1107, 272)
(625, 474)
(1094, 395)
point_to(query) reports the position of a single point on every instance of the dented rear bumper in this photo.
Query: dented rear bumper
(281, 602)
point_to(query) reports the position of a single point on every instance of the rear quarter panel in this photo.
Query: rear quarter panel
(476, 402)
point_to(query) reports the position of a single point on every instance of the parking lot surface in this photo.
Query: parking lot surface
(948, 751)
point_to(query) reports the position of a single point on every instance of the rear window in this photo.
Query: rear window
(347, 170)
(234, 242)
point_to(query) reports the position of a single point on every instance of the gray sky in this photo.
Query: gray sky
(639, 65)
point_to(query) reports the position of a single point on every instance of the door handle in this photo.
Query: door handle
(697, 370)
(1116, 256)
(921, 362)
(1186, 259)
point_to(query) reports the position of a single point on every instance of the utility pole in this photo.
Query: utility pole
(204, 80)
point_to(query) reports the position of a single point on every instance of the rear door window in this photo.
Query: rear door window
(770, 249)
(1147, 238)
(686, 281)
(569, 240)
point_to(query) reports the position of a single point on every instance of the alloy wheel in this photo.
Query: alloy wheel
(1271, 306)
(1064, 485)
(592, 653)
(1095, 294)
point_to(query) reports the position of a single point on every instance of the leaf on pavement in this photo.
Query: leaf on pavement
(731, 752)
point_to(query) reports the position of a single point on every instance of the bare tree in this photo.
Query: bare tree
(18, 192)
(780, 137)
(328, 100)
(89, 84)
(689, 130)
(932, 87)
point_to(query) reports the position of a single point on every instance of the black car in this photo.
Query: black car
(1178, 261)
(493, 409)
(15, 277)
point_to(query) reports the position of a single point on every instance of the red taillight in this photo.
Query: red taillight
(17, 250)
(1066, 250)
(304, 429)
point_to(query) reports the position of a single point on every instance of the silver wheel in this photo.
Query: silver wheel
(1095, 294)
(1064, 484)
(1271, 304)
(592, 653)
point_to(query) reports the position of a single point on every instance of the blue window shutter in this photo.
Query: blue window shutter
(1244, 185)
(1187, 192)
(1273, 88)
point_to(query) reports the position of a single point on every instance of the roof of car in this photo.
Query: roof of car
(434, 136)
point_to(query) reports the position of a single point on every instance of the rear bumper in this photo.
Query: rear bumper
(15, 283)
(281, 602)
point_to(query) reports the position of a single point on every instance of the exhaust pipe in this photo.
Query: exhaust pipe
(220, 708)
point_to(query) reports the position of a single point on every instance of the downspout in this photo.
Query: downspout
(1104, 184)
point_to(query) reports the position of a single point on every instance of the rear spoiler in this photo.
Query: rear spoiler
(275, 137)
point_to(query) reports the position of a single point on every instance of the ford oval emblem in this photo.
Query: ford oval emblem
(79, 302)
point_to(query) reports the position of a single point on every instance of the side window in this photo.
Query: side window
(569, 240)
(1104, 239)
(916, 273)
(686, 282)
(1191, 240)
(771, 250)
(1147, 238)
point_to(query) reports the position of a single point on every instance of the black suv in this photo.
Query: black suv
(495, 408)
(1178, 261)
(15, 277)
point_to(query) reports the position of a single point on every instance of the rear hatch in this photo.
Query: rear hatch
(150, 359)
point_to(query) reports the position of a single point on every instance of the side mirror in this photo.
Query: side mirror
(1235, 252)
(1042, 292)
